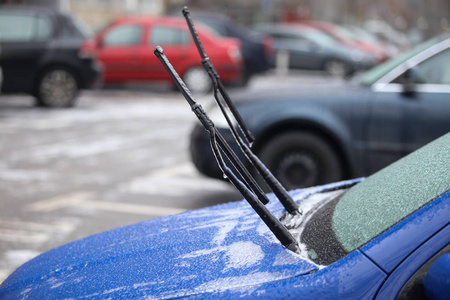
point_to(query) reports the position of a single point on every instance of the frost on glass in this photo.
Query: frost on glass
(385, 198)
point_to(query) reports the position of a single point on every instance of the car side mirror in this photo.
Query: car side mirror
(437, 281)
(410, 79)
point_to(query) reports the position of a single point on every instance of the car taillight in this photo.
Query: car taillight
(88, 49)
(268, 46)
(234, 53)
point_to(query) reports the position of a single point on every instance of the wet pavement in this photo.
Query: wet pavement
(120, 156)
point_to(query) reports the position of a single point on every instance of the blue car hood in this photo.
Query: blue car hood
(206, 250)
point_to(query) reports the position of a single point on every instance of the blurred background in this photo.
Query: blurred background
(401, 20)
(121, 154)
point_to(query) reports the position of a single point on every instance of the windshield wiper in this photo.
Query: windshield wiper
(243, 181)
(219, 145)
(224, 101)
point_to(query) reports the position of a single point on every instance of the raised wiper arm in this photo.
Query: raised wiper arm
(281, 193)
(219, 144)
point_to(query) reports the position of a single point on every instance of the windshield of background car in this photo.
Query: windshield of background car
(375, 74)
(373, 206)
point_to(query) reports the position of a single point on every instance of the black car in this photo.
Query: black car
(257, 48)
(310, 135)
(41, 55)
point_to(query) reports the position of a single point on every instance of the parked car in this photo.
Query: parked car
(350, 39)
(125, 47)
(386, 237)
(311, 49)
(41, 55)
(257, 48)
(310, 135)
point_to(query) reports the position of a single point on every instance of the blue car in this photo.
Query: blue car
(383, 237)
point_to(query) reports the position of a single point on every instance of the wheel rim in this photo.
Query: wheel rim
(197, 80)
(58, 88)
(298, 170)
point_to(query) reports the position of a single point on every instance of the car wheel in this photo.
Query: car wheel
(197, 80)
(57, 87)
(336, 68)
(300, 159)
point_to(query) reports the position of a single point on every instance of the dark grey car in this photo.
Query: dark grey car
(311, 49)
(41, 55)
(308, 135)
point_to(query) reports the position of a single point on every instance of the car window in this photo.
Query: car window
(168, 36)
(376, 73)
(126, 35)
(43, 28)
(349, 220)
(23, 28)
(436, 69)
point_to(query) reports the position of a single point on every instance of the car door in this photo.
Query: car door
(411, 110)
(119, 51)
(177, 47)
(406, 281)
(24, 39)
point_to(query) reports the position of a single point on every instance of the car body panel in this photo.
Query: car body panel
(224, 252)
(215, 248)
(353, 277)
(412, 263)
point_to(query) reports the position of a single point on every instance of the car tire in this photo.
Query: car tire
(57, 87)
(197, 80)
(337, 68)
(301, 159)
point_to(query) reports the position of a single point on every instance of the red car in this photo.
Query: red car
(125, 47)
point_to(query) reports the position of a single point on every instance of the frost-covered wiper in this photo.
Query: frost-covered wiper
(224, 102)
(219, 146)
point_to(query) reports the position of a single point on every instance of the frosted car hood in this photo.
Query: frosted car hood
(205, 250)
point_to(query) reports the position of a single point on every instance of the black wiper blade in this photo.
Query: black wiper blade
(281, 193)
(219, 146)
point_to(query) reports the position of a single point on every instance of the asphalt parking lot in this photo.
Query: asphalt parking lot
(119, 157)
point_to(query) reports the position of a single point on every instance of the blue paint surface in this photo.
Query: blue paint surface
(437, 281)
(224, 252)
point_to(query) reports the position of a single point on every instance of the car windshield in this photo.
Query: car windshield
(351, 218)
(375, 74)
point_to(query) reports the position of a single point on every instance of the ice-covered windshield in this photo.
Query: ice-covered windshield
(351, 219)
